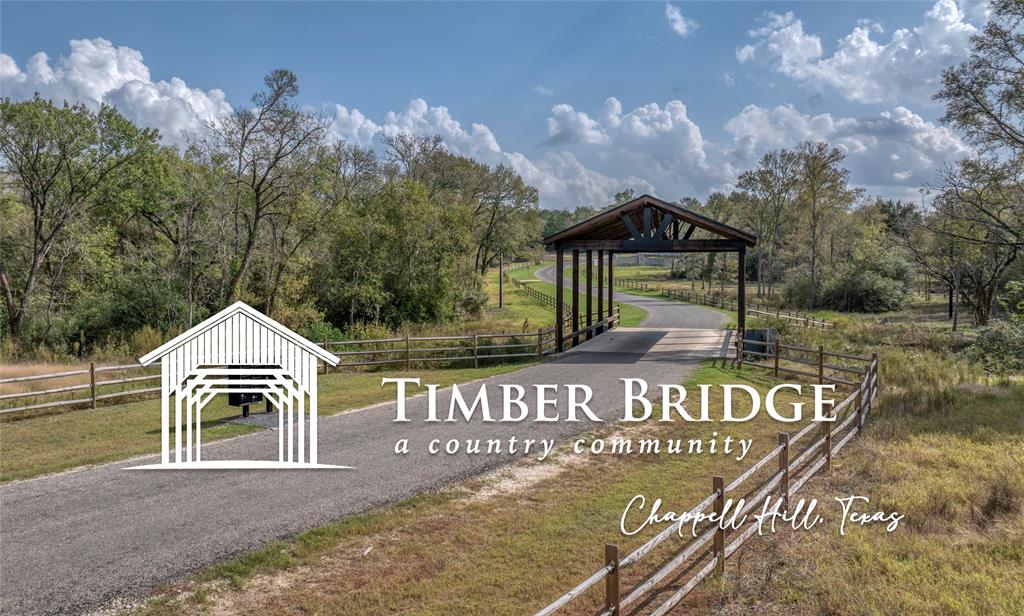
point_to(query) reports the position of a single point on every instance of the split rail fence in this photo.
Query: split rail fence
(791, 469)
(753, 310)
(715, 300)
(89, 387)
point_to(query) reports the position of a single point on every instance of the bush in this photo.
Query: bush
(322, 330)
(1012, 299)
(798, 292)
(863, 291)
(856, 288)
(999, 348)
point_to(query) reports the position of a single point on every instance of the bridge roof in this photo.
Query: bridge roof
(646, 219)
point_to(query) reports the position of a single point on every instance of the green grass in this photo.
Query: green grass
(945, 448)
(53, 443)
(453, 553)
(631, 315)
(957, 473)
(519, 312)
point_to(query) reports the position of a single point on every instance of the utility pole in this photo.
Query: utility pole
(501, 280)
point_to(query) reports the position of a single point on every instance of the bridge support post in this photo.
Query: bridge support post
(590, 292)
(741, 289)
(600, 288)
(559, 309)
(575, 296)
(611, 282)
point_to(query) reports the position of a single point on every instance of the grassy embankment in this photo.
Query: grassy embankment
(52, 442)
(943, 447)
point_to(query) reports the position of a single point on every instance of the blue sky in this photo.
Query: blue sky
(583, 99)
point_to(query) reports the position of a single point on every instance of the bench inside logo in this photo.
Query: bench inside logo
(250, 357)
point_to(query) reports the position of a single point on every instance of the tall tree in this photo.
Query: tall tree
(269, 146)
(984, 97)
(505, 216)
(68, 161)
(772, 188)
(823, 191)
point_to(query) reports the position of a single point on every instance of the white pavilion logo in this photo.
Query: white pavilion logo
(244, 353)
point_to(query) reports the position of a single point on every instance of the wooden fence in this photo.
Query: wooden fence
(96, 389)
(717, 300)
(533, 293)
(708, 551)
(401, 352)
(729, 303)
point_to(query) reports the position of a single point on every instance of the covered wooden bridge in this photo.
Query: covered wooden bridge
(645, 224)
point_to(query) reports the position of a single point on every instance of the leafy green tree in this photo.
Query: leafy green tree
(68, 161)
(268, 147)
(771, 190)
(824, 190)
(984, 98)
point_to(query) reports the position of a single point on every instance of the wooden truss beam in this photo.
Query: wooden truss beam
(653, 245)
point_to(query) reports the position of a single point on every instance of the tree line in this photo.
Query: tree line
(104, 232)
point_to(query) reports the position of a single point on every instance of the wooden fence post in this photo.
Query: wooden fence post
(784, 467)
(408, 353)
(92, 384)
(776, 356)
(718, 486)
(540, 343)
(611, 582)
(859, 402)
(476, 347)
(821, 364)
(828, 444)
(874, 370)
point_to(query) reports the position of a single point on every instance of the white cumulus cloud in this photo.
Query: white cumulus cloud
(906, 67)
(97, 72)
(683, 25)
(892, 153)
(561, 179)
(658, 143)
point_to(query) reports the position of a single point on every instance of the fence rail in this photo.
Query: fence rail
(793, 472)
(718, 300)
(754, 310)
(401, 352)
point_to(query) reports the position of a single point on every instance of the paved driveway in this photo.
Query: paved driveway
(79, 540)
(661, 313)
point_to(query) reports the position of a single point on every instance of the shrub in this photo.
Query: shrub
(859, 290)
(856, 288)
(323, 330)
(1012, 298)
(798, 292)
(999, 348)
